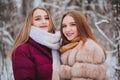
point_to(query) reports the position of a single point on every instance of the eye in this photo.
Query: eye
(63, 26)
(73, 24)
(37, 19)
(47, 18)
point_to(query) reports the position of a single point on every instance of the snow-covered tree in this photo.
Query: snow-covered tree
(102, 15)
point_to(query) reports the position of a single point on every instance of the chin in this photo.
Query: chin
(70, 39)
(45, 30)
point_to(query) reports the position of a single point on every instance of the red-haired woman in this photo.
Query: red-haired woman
(82, 57)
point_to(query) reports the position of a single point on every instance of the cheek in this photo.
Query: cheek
(33, 22)
(76, 32)
(63, 30)
(48, 23)
(36, 23)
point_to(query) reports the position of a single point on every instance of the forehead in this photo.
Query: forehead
(68, 18)
(39, 12)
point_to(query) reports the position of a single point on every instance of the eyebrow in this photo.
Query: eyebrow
(40, 16)
(70, 23)
(63, 23)
(46, 15)
(37, 16)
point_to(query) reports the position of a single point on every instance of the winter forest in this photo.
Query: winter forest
(103, 17)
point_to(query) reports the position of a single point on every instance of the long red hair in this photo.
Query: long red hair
(83, 28)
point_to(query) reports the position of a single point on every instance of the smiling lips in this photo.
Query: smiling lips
(69, 34)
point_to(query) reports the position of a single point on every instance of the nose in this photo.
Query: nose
(68, 29)
(44, 21)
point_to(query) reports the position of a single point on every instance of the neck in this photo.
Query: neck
(70, 45)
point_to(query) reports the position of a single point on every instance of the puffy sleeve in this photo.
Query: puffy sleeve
(89, 62)
(65, 72)
(65, 69)
(87, 70)
(23, 66)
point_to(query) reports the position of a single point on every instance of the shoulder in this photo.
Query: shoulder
(21, 50)
(91, 52)
(22, 47)
(91, 47)
(90, 44)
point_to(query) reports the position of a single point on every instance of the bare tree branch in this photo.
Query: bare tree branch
(99, 22)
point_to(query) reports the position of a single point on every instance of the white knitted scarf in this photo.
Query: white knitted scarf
(50, 40)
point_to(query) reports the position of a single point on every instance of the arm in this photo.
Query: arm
(65, 72)
(23, 67)
(93, 71)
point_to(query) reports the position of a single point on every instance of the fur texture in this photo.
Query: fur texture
(84, 62)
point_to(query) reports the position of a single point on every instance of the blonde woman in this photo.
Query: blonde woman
(82, 56)
(35, 51)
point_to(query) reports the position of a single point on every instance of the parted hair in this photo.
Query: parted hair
(23, 34)
(84, 30)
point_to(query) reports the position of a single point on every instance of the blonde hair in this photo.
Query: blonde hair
(23, 34)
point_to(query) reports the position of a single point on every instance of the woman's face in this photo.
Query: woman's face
(69, 28)
(41, 19)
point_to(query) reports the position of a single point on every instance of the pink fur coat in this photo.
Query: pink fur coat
(83, 63)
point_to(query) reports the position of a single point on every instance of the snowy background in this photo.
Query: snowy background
(102, 15)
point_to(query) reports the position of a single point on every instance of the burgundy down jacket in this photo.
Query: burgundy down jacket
(32, 61)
